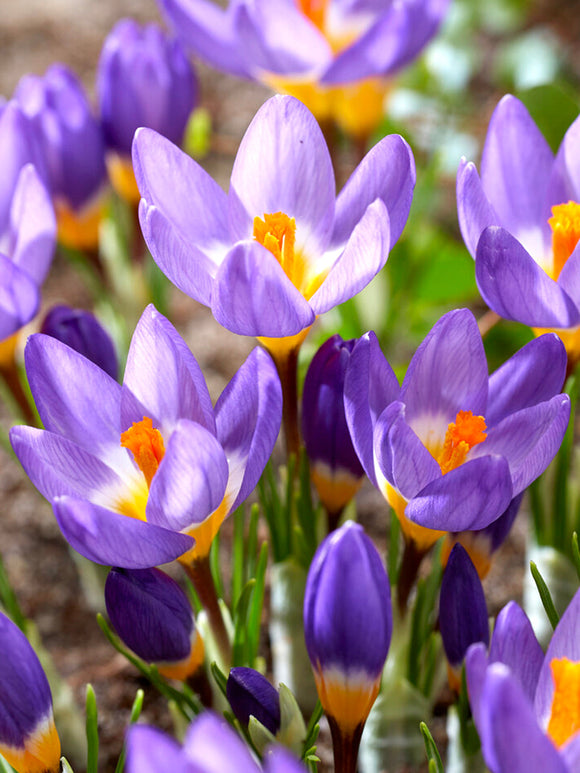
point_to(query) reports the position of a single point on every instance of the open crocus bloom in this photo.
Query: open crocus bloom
(521, 223)
(135, 471)
(278, 249)
(452, 447)
(526, 706)
(331, 54)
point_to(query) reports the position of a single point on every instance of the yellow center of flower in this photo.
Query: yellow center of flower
(465, 432)
(146, 444)
(565, 714)
(565, 225)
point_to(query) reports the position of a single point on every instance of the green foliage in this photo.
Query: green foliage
(92, 731)
(545, 595)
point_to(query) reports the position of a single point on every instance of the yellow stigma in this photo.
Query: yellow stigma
(315, 10)
(146, 444)
(565, 714)
(467, 431)
(565, 225)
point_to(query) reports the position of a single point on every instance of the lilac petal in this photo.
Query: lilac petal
(183, 192)
(32, 225)
(279, 760)
(19, 297)
(213, 745)
(514, 644)
(514, 285)
(151, 751)
(565, 643)
(515, 167)
(569, 278)
(564, 183)
(164, 376)
(535, 373)
(253, 296)
(250, 694)
(369, 386)
(476, 664)
(570, 752)
(283, 165)
(208, 31)
(366, 252)
(511, 739)
(180, 260)
(448, 372)
(528, 439)
(386, 172)
(191, 480)
(474, 211)
(248, 417)
(400, 455)
(467, 498)
(112, 539)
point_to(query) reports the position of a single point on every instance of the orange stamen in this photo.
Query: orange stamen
(565, 225)
(315, 10)
(565, 714)
(146, 444)
(467, 431)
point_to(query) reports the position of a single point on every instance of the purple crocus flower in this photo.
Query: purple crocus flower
(521, 223)
(74, 150)
(334, 465)
(135, 470)
(331, 54)
(143, 79)
(210, 746)
(153, 617)
(28, 738)
(452, 447)
(250, 694)
(525, 705)
(278, 249)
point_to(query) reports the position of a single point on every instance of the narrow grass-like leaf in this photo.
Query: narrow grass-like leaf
(238, 556)
(576, 553)
(394, 550)
(256, 606)
(220, 678)
(92, 727)
(431, 749)
(239, 649)
(9, 600)
(136, 710)
(545, 596)
(215, 566)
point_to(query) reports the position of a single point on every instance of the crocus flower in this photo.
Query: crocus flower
(82, 331)
(250, 694)
(143, 79)
(347, 627)
(210, 746)
(521, 223)
(526, 707)
(74, 150)
(135, 471)
(278, 249)
(334, 465)
(153, 617)
(331, 54)
(452, 447)
(28, 737)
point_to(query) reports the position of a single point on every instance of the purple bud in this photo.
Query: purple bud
(153, 617)
(82, 331)
(462, 607)
(251, 694)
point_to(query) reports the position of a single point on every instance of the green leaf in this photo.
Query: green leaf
(215, 567)
(256, 606)
(553, 106)
(136, 710)
(545, 595)
(238, 556)
(240, 625)
(435, 762)
(92, 731)
(576, 553)
(220, 678)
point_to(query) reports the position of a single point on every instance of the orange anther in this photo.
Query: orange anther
(146, 444)
(467, 431)
(565, 225)
(565, 714)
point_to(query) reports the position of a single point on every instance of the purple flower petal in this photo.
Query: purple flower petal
(19, 297)
(253, 296)
(250, 694)
(564, 183)
(366, 252)
(569, 278)
(151, 751)
(570, 752)
(283, 165)
(535, 373)
(386, 172)
(474, 210)
(279, 760)
(514, 285)
(476, 664)
(214, 746)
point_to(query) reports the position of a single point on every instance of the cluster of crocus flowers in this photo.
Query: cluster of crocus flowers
(28, 737)
(525, 704)
(521, 222)
(333, 55)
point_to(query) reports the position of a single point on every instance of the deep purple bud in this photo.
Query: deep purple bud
(347, 624)
(153, 617)
(336, 470)
(462, 608)
(251, 694)
(70, 134)
(82, 331)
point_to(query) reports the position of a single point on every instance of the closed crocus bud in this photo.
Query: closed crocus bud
(81, 330)
(347, 627)
(153, 617)
(144, 79)
(28, 737)
(74, 150)
(462, 611)
(335, 467)
(250, 694)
